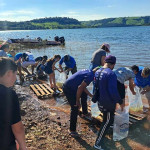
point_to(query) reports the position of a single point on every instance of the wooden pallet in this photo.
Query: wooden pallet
(44, 91)
(32, 77)
(133, 117)
(25, 77)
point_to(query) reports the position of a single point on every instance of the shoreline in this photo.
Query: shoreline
(46, 126)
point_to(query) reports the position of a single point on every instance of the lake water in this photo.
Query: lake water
(131, 45)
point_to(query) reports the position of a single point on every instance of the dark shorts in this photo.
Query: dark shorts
(49, 71)
(73, 70)
(121, 89)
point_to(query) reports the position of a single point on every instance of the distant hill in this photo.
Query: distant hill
(118, 22)
(42, 23)
(70, 23)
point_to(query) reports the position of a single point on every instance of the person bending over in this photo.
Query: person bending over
(49, 69)
(142, 80)
(70, 64)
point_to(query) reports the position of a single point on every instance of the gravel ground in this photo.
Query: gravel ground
(46, 127)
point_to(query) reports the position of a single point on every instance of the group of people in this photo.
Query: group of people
(110, 86)
(108, 83)
(43, 65)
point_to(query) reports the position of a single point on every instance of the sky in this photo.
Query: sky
(82, 10)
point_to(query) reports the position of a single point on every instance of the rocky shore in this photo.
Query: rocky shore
(46, 127)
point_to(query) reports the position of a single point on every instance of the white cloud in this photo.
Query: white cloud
(18, 18)
(84, 17)
(17, 12)
(72, 12)
(18, 15)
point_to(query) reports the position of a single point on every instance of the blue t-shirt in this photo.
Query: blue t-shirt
(17, 56)
(108, 91)
(70, 63)
(10, 56)
(76, 79)
(140, 81)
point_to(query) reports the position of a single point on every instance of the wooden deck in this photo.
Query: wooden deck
(43, 91)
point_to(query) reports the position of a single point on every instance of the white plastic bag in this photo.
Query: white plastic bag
(62, 78)
(121, 124)
(135, 101)
(94, 109)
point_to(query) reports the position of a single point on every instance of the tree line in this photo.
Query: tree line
(70, 23)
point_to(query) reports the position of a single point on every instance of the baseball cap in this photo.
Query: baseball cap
(110, 59)
(106, 45)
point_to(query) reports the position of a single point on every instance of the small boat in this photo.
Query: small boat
(24, 40)
(53, 43)
(57, 41)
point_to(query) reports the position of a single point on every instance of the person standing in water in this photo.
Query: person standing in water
(49, 69)
(99, 56)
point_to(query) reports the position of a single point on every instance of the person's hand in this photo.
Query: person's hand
(143, 92)
(122, 106)
(134, 93)
(78, 104)
(66, 72)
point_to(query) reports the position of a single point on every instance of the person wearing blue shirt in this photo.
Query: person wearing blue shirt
(75, 88)
(70, 64)
(108, 96)
(11, 55)
(18, 56)
(142, 80)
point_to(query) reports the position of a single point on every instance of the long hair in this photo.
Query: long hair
(55, 57)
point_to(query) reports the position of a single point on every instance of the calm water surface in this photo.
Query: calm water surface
(131, 45)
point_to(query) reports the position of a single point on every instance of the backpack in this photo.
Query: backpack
(96, 88)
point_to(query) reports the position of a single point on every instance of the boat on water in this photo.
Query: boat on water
(39, 40)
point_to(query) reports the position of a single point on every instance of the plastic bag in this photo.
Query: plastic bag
(62, 78)
(121, 124)
(94, 110)
(135, 101)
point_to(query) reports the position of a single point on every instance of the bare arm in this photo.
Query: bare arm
(61, 69)
(81, 88)
(102, 60)
(87, 92)
(131, 86)
(53, 66)
(18, 131)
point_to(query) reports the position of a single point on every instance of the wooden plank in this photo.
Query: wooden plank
(35, 90)
(40, 90)
(142, 116)
(59, 89)
(44, 89)
(136, 118)
(49, 88)
(99, 118)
